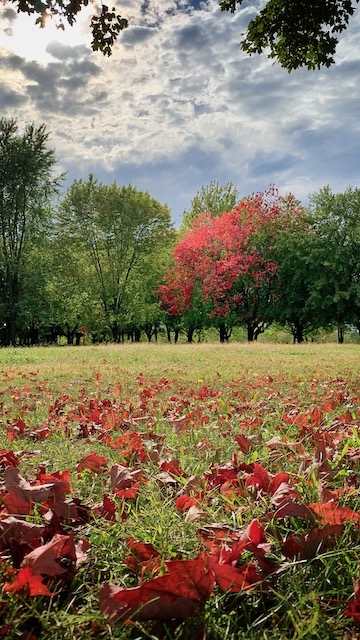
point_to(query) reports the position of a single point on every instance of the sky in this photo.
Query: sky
(179, 105)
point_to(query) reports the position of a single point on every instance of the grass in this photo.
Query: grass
(192, 404)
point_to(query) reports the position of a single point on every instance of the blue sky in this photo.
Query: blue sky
(178, 104)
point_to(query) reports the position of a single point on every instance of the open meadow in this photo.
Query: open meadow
(180, 492)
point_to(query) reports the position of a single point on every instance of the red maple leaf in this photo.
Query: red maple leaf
(353, 609)
(259, 479)
(106, 509)
(8, 459)
(44, 559)
(330, 513)
(234, 579)
(144, 557)
(124, 478)
(21, 494)
(183, 503)
(93, 461)
(23, 532)
(178, 594)
(25, 579)
(309, 545)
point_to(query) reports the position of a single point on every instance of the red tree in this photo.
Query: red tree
(225, 259)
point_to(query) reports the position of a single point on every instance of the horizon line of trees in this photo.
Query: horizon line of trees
(105, 261)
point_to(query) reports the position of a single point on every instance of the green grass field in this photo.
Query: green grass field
(215, 488)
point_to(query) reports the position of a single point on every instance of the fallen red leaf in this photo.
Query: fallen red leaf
(21, 494)
(317, 540)
(259, 479)
(44, 559)
(105, 509)
(178, 594)
(183, 503)
(93, 461)
(25, 579)
(234, 579)
(8, 459)
(330, 513)
(123, 478)
(142, 550)
(23, 532)
(353, 609)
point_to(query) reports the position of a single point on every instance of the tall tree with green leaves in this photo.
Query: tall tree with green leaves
(27, 187)
(318, 281)
(213, 199)
(118, 228)
(335, 218)
(294, 251)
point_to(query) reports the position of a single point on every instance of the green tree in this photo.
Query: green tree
(71, 299)
(213, 199)
(335, 219)
(293, 305)
(27, 186)
(118, 228)
(318, 282)
(296, 33)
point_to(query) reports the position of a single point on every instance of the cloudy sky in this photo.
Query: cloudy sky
(178, 104)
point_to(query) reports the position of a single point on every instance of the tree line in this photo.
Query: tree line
(104, 262)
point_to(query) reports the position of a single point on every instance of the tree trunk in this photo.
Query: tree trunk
(70, 336)
(33, 334)
(340, 333)
(115, 332)
(250, 332)
(168, 333)
(223, 332)
(298, 332)
(149, 330)
(12, 300)
(78, 336)
(10, 332)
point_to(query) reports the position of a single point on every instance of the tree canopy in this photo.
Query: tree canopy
(117, 228)
(219, 260)
(296, 33)
(213, 199)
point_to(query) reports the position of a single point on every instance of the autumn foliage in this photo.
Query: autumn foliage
(274, 511)
(226, 259)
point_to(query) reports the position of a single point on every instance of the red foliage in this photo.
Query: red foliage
(93, 461)
(26, 580)
(217, 251)
(331, 513)
(179, 593)
(35, 557)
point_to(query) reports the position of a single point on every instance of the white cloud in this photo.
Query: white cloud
(179, 104)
